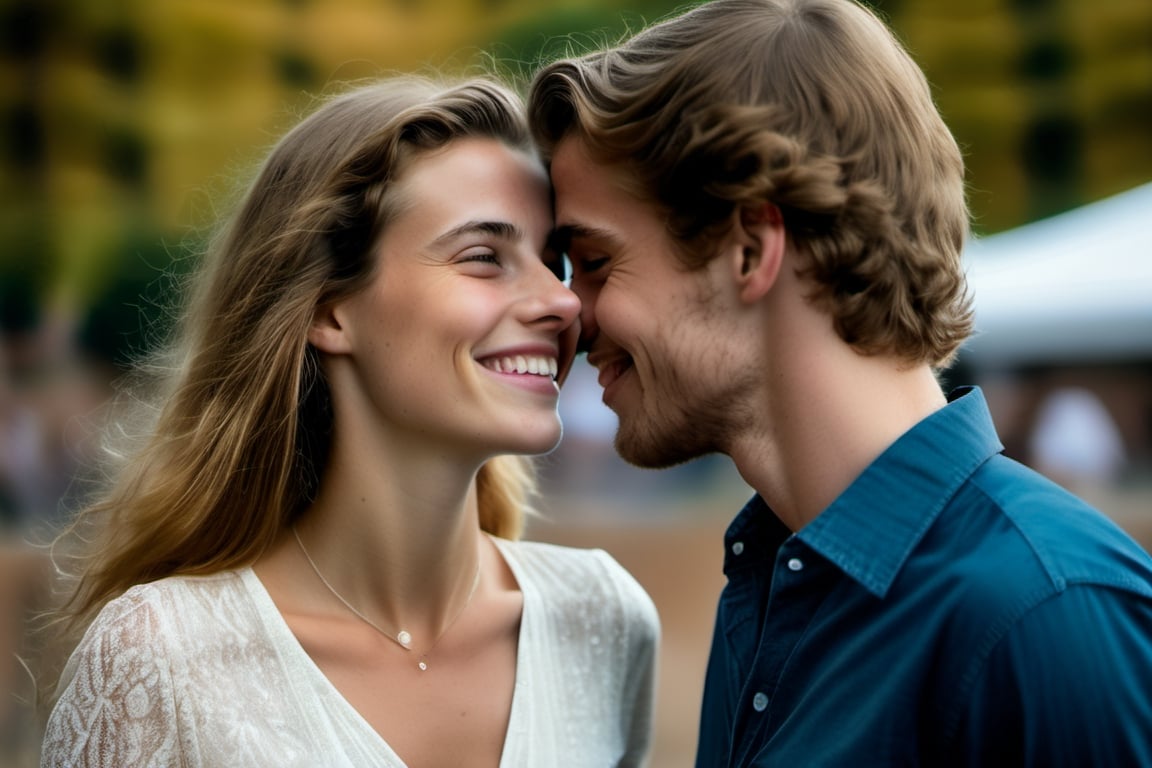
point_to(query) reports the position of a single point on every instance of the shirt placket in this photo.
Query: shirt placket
(793, 599)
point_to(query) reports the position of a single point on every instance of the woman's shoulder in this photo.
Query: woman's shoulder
(161, 663)
(174, 595)
(156, 625)
(180, 587)
(567, 575)
(147, 613)
(560, 560)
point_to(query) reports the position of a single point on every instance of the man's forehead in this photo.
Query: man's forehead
(574, 156)
(571, 158)
(583, 183)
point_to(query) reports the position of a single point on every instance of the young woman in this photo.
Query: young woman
(311, 560)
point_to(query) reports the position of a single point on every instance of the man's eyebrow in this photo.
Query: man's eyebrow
(500, 229)
(566, 233)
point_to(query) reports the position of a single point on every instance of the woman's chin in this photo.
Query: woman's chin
(540, 441)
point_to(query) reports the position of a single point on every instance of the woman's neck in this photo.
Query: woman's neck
(395, 536)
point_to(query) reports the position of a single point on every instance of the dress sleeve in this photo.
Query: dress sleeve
(641, 625)
(1069, 685)
(116, 705)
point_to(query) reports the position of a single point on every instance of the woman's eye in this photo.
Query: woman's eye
(485, 257)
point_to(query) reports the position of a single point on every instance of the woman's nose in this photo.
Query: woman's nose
(557, 300)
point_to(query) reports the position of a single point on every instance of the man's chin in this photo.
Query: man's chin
(653, 452)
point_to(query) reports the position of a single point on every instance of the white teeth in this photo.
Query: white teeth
(534, 364)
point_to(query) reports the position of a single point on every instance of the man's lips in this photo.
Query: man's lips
(611, 369)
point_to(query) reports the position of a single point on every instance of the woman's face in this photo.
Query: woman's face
(457, 340)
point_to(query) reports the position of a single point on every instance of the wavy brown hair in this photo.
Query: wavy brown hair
(811, 105)
(242, 419)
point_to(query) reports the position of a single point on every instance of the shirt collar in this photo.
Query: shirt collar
(873, 526)
(754, 536)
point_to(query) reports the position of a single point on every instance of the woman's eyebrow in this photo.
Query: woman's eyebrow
(500, 229)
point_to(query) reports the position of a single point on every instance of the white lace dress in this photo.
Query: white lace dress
(203, 671)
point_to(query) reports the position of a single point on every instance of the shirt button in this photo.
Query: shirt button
(738, 548)
(760, 702)
(795, 564)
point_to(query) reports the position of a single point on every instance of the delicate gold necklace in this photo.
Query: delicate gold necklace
(403, 638)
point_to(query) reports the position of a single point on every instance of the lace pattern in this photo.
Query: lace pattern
(202, 671)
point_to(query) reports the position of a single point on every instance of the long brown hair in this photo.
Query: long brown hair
(241, 425)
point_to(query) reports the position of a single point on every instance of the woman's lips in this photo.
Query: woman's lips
(536, 365)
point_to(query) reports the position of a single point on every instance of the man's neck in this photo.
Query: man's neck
(821, 427)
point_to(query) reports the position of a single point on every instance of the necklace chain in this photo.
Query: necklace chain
(401, 638)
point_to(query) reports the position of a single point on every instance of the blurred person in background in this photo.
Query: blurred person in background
(765, 215)
(31, 477)
(1075, 441)
(311, 559)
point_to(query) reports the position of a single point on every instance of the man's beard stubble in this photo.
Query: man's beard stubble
(675, 430)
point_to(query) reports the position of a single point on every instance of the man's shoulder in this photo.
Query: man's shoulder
(1009, 541)
(1072, 542)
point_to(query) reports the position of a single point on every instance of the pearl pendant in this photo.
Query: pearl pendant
(422, 666)
(404, 638)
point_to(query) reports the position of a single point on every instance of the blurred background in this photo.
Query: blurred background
(126, 126)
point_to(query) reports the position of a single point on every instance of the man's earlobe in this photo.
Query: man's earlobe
(327, 332)
(762, 253)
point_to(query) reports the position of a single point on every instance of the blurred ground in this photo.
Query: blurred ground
(673, 547)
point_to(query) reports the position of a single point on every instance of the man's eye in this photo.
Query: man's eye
(591, 265)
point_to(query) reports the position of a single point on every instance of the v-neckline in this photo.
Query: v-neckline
(293, 653)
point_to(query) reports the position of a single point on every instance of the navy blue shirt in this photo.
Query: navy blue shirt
(950, 608)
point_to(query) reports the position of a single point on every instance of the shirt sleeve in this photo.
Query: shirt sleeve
(116, 706)
(1070, 684)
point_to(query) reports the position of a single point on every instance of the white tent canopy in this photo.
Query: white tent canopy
(1076, 287)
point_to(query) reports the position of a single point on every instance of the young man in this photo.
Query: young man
(765, 215)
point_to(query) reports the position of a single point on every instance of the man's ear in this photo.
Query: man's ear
(761, 239)
(328, 332)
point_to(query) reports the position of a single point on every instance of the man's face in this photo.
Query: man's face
(655, 331)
